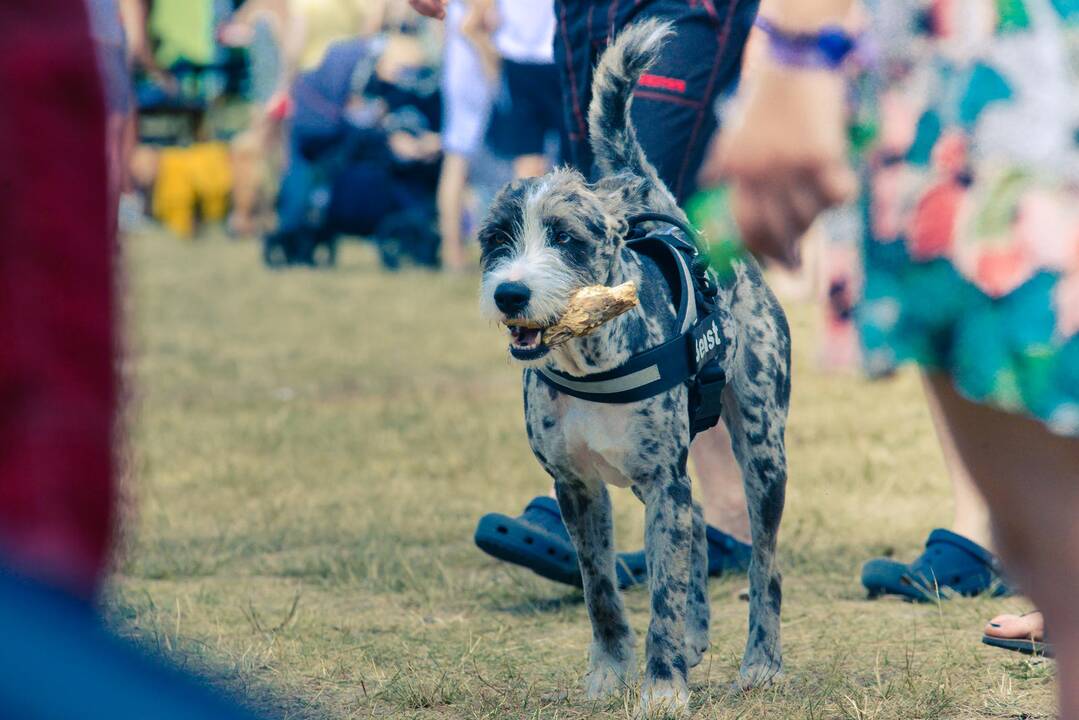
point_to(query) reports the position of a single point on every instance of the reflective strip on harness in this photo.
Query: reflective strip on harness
(633, 381)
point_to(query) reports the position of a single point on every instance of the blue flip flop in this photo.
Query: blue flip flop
(1021, 645)
(950, 565)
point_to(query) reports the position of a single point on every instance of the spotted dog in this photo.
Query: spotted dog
(543, 239)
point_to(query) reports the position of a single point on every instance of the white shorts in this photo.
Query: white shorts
(467, 93)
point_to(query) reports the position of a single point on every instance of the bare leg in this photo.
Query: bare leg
(451, 190)
(1030, 479)
(971, 519)
(719, 480)
(247, 149)
(586, 511)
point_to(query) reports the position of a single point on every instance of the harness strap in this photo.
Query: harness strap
(644, 375)
(683, 359)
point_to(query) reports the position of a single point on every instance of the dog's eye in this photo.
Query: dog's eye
(562, 237)
(499, 237)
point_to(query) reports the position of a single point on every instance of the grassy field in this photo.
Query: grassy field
(309, 453)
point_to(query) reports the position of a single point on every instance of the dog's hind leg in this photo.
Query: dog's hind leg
(756, 429)
(668, 544)
(698, 611)
(612, 663)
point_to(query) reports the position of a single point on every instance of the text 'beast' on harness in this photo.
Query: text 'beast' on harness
(690, 357)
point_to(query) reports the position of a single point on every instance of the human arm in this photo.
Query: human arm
(134, 17)
(478, 26)
(785, 149)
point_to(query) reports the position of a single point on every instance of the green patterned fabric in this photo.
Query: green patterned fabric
(971, 208)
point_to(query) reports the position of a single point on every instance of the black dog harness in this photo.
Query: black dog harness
(688, 357)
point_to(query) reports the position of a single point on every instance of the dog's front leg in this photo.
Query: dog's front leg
(586, 510)
(668, 542)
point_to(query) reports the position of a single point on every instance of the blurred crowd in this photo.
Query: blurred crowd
(298, 122)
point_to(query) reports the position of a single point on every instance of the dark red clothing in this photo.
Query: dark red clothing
(57, 386)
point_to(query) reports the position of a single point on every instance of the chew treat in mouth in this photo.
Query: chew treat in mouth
(589, 308)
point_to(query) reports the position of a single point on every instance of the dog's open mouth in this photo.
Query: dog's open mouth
(526, 339)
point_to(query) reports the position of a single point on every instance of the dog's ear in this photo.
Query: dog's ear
(623, 190)
(622, 195)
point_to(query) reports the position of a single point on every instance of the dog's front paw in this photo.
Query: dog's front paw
(607, 676)
(664, 698)
(758, 675)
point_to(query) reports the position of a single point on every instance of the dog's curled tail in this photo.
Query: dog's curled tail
(610, 129)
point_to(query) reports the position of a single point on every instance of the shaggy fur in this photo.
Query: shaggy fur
(551, 235)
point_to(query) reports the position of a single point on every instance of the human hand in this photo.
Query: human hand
(404, 146)
(785, 155)
(431, 8)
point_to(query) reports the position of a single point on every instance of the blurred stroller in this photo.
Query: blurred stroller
(364, 160)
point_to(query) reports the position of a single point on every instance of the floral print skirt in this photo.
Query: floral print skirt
(971, 210)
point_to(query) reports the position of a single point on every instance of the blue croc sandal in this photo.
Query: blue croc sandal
(950, 565)
(537, 540)
(725, 555)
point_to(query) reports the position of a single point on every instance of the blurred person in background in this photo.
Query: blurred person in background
(364, 151)
(957, 560)
(118, 28)
(971, 251)
(283, 37)
(527, 114)
(673, 112)
(261, 26)
(114, 67)
(315, 25)
(469, 75)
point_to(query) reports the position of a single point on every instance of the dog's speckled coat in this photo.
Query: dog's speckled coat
(557, 233)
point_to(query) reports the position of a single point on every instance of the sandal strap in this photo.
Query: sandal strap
(543, 514)
(947, 537)
(546, 504)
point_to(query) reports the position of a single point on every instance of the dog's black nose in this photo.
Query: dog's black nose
(512, 297)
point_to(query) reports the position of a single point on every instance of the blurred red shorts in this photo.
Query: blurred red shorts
(57, 387)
